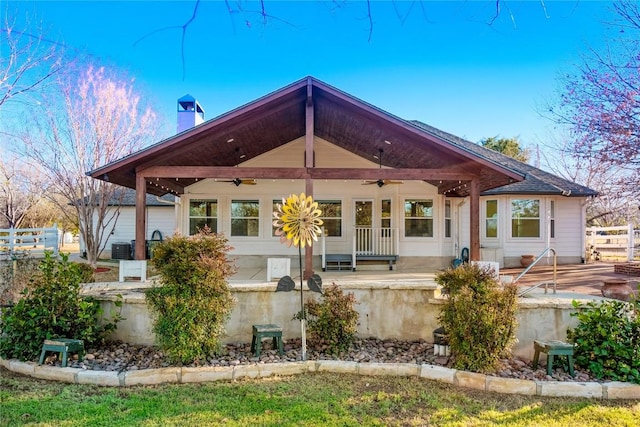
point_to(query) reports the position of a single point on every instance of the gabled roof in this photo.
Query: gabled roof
(209, 150)
(536, 180)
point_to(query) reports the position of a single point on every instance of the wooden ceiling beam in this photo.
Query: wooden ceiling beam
(231, 172)
(397, 173)
(302, 173)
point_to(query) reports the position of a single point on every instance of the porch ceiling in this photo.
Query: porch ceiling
(212, 150)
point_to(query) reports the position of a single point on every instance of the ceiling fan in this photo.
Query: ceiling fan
(381, 182)
(238, 181)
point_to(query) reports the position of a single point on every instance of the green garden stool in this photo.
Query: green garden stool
(266, 331)
(552, 349)
(64, 346)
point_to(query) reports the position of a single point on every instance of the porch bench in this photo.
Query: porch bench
(337, 262)
(390, 258)
(64, 346)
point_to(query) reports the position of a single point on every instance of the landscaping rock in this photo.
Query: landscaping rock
(119, 357)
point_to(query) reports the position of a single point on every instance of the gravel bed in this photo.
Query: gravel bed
(118, 356)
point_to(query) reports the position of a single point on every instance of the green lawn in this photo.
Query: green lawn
(304, 400)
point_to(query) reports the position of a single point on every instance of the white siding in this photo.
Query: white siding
(160, 218)
(569, 229)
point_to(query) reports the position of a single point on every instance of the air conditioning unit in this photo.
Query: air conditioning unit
(121, 250)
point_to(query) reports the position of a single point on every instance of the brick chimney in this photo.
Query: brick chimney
(190, 113)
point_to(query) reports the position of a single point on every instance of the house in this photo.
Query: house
(160, 221)
(393, 192)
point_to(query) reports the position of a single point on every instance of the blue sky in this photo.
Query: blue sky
(438, 62)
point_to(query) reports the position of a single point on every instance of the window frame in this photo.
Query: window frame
(339, 219)
(513, 218)
(448, 219)
(488, 218)
(214, 218)
(386, 214)
(429, 219)
(247, 219)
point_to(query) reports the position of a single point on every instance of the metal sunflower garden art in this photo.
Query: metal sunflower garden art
(297, 221)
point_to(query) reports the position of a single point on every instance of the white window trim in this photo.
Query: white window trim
(444, 220)
(187, 223)
(231, 218)
(342, 235)
(484, 220)
(433, 217)
(541, 220)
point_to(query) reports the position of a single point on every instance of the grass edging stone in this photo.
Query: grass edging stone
(153, 376)
(606, 390)
(100, 378)
(390, 369)
(566, 389)
(206, 374)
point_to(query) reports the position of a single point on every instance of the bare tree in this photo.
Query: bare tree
(97, 119)
(612, 206)
(28, 62)
(601, 102)
(22, 188)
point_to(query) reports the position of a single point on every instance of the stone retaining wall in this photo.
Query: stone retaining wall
(605, 390)
(392, 310)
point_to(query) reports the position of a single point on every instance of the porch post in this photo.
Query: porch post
(474, 220)
(141, 192)
(309, 160)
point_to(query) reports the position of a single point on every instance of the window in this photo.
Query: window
(385, 214)
(491, 219)
(418, 218)
(201, 213)
(525, 218)
(447, 218)
(245, 218)
(552, 219)
(331, 217)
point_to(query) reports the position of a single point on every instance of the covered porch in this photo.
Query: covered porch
(258, 143)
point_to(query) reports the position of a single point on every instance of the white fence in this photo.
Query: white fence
(613, 242)
(28, 241)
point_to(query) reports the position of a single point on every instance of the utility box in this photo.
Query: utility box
(121, 250)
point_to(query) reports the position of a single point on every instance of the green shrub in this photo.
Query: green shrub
(52, 308)
(479, 317)
(194, 302)
(334, 320)
(607, 339)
